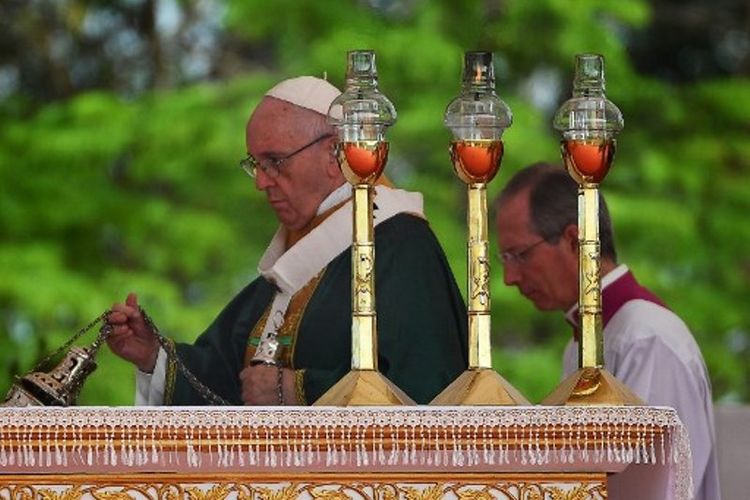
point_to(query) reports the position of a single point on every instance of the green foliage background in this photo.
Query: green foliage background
(101, 195)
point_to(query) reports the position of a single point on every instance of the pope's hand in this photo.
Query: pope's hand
(260, 385)
(132, 338)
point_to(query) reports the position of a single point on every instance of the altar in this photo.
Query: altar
(478, 452)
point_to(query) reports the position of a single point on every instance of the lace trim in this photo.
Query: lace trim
(482, 438)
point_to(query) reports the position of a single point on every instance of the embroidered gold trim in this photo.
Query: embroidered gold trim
(299, 386)
(170, 379)
(287, 335)
(298, 307)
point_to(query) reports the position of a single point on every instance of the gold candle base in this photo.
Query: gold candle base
(592, 386)
(364, 388)
(479, 387)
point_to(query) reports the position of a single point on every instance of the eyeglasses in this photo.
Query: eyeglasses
(518, 257)
(271, 166)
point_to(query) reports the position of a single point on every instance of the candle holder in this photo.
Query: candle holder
(589, 122)
(361, 115)
(477, 119)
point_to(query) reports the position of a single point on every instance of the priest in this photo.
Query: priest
(646, 345)
(301, 301)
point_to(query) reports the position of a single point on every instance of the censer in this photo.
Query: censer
(61, 385)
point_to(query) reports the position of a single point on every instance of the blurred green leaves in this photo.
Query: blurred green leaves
(101, 195)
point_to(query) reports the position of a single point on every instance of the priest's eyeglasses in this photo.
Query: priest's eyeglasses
(271, 166)
(519, 257)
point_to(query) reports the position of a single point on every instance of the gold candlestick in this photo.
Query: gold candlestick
(361, 114)
(477, 119)
(588, 123)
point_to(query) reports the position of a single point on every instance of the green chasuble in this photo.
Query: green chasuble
(421, 324)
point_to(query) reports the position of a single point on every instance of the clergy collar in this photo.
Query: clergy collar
(341, 193)
(291, 268)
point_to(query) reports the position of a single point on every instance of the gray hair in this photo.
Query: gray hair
(553, 202)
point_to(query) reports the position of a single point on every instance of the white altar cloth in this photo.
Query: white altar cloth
(309, 439)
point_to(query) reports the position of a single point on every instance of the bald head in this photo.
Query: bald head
(286, 121)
